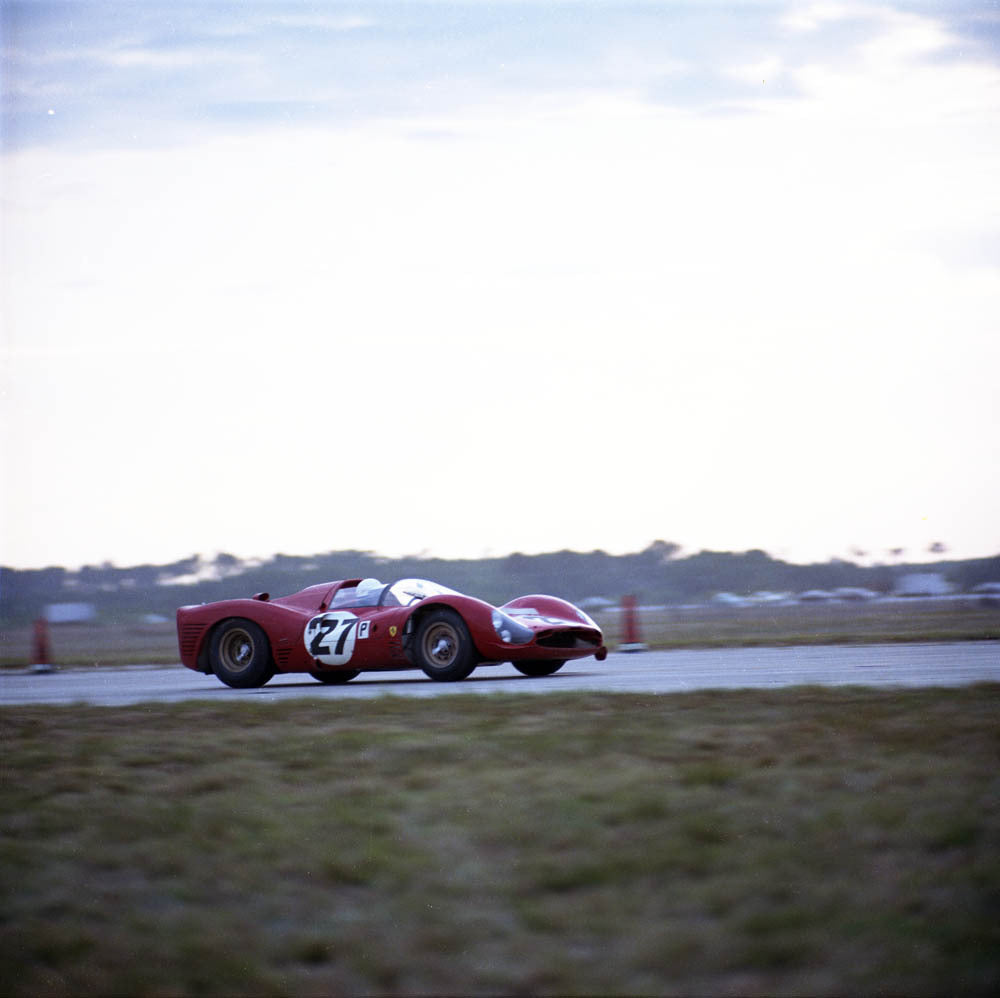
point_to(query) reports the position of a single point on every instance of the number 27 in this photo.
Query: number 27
(327, 627)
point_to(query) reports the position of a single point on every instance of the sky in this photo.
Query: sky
(463, 279)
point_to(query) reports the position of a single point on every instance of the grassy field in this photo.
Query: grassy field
(125, 643)
(108, 643)
(803, 841)
(816, 623)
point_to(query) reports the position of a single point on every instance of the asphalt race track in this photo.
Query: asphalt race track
(955, 664)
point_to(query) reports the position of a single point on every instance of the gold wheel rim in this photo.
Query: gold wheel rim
(441, 645)
(236, 650)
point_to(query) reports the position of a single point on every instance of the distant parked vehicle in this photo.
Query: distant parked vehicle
(988, 593)
(855, 594)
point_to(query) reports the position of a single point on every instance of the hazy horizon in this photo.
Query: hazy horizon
(889, 558)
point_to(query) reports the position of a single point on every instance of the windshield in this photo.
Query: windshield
(409, 591)
(368, 592)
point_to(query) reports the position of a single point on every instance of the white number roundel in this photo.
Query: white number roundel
(330, 637)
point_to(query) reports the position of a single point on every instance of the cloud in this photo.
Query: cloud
(130, 54)
(905, 37)
(166, 59)
(812, 17)
(323, 22)
(893, 37)
(761, 71)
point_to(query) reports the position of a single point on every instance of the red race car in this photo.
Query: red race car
(336, 630)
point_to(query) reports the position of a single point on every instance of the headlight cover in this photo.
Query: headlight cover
(510, 631)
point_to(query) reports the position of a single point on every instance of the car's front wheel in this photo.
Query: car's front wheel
(240, 654)
(443, 646)
(536, 668)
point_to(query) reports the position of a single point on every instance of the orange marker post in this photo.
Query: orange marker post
(632, 641)
(41, 650)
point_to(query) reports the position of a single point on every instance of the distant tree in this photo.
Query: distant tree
(186, 566)
(662, 551)
(145, 576)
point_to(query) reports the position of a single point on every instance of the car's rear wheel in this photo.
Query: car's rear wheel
(335, 678)
(240, 655)
(443, 646)
(537, 668)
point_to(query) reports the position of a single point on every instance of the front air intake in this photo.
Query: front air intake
(568, 639)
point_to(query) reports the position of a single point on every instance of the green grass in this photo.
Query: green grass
(108, 643)
(799, 841)
(129, 643)
(810, 624)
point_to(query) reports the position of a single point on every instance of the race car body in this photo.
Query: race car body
(336, 630)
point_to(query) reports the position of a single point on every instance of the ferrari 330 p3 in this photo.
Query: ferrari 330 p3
(336, 630)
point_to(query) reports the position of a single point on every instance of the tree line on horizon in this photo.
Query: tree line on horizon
(657, 574)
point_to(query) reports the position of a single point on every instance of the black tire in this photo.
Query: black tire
(335, 678)
(536, 668)
(240, 654)
(443, 647)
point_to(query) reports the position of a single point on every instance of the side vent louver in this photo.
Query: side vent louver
(189, 638)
